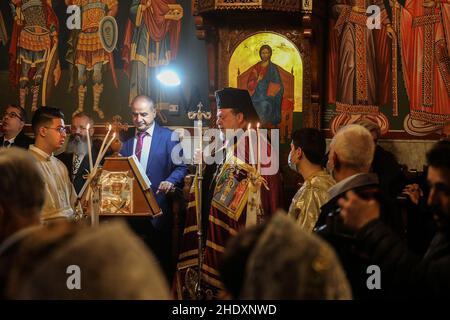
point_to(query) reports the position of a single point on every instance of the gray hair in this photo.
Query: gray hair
(354, 147)
(371, 126)
(21, 185)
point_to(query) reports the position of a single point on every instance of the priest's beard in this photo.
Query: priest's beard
(77, 144)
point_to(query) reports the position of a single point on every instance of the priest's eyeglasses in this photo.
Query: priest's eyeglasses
(12, 115)
(61, 130)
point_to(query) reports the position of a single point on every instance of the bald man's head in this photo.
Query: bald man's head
(143, 112)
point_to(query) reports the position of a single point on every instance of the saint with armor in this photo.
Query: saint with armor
(86, 51)
(33, 48)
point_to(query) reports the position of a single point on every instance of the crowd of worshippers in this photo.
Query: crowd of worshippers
(358, 227)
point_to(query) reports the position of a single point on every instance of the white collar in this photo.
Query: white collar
(11, 141)
(40, 152)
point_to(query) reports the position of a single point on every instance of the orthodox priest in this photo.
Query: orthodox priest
(237, 195)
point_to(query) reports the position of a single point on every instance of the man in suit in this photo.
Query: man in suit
(153, 145)
(76, 156)
(13, 120)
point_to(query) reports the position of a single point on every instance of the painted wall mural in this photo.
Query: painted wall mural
(44, 62)
(270, 67)
(397, 75)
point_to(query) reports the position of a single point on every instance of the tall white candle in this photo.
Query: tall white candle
(97, 162)
(107, 146)
(250, 145)
(258, 155)
(104, 140)
(88, 127)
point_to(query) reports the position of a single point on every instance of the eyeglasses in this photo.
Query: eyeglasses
(61, 130)
(12, 115)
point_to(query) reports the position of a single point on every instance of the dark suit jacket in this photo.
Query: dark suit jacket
(21, 141)
(405, 275)
(78, 181)
(159, 168)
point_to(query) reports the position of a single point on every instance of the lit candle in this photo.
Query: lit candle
(258, 155)
(97, 162)
(104, 140)
(250, 145)
(107, 146)
(89, 146)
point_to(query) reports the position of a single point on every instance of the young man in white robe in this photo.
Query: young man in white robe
(50, 134)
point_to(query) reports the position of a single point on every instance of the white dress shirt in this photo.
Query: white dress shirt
(145, 146)
(60, 194)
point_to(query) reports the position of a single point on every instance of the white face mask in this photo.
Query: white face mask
(292, 165)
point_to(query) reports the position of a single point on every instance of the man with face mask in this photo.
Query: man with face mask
(307, 151)
(76, 156)
(405, 274)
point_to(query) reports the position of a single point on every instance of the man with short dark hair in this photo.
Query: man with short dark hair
(307, 151)
(50, 132)
(403, 273)
(22, 194)
(13, 121)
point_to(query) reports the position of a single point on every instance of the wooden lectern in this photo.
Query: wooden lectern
(120, 188)
(124, 189)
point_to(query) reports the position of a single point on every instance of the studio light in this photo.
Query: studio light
(168, 78)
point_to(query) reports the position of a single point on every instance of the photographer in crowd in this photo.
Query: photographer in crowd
(403, 273)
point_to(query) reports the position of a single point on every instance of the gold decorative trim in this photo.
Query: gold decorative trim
(356, 109)
(215, 246)
(188, 253)
(222, 224)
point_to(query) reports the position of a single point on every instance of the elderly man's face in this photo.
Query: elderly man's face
(12, 122)
(226, 119)
(439, 197)
(143, 114)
